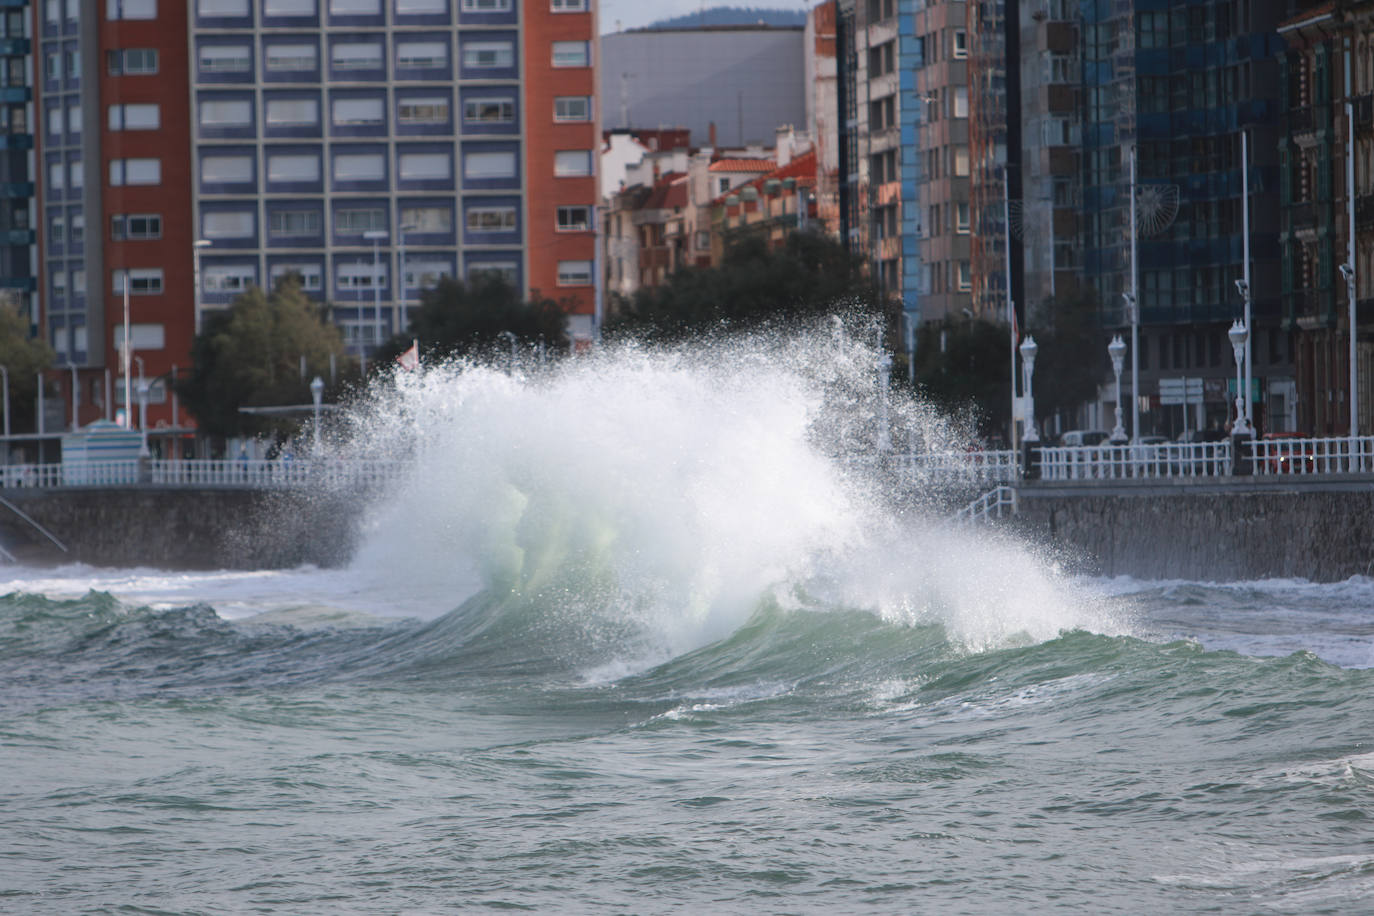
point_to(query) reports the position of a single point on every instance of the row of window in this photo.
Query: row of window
(365, 165)
(242, 9)
(355, 57)
(346, 110)
(306, 222)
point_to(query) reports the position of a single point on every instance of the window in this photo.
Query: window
(961, 161)
(491, 219)
(427, 219)
(960, 44)
(570, 54)
(568, 6)
(488, 55)
(54, 122)
(486, 6)
(364, 111)
(488, 111)
(505, 270)
(278, 58)
(134, 117)
(359, 167)
(293, 112)
(422, 54)
(78, 227)
(572, 108)
(215, 9)
(226, 113)
(421, 7)
(132, 61)
(425, 166)
(228, 278)
(422, 110)
(226, 169)
(288, 7)
(74, 120)
(226, 59)
(311, 276)
(59, 283)
(57, 229)
(355, 7)
(79, 287)
(961, 218)
(357, 55)
(965, 277)
(227, 224)
(130, 9)
(146, 281)
(298, 167)
(489, 165)
(961, 101)
(293, 223)
(78, 174)
(135, 171)
(425, 274)
(574, 273)
(572, 163)
(574, 219)
(358, 220)
(361, 275)
(135, 226)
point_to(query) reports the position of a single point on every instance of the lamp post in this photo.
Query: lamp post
(1243, 390)
(376, 236)
(1348, 273)
(1133, 300)
(317, 395)
(1117, 351)
(5, 376)
(197, 247)
(76, 397)
(1028, 351)
(143, 415)
(1239, 335)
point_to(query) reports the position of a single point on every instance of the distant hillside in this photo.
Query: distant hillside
(732, 15)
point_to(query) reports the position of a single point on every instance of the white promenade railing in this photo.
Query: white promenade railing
(247, 473)
(994, 504)
(988, 467)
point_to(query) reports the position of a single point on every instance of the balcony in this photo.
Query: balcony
(16, 141)
(16, 236)
(1364, 211)
(23, 284)
(14, 189)
(11, 47)
(1302, 217)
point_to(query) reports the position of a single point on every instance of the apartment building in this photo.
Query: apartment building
(18, 213)
(192, 150)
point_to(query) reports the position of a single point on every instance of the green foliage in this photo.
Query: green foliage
(964, 368)
(1072, 356)
(23, 357)
(753, 287)
(249, 356)
(457, 319)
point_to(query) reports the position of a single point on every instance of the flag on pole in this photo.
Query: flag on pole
(410, 359)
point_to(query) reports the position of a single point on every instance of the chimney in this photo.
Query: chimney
(711, 134)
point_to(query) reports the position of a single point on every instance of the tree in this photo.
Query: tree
(249, 356)
(964, 367)
(23, 357)
(457, 318)
(753, 287)
(1072, 356)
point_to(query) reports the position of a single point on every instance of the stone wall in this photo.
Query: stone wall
(182, 528)
(1322, 532)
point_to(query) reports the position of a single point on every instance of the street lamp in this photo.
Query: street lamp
(76, 397)
(1239, 335)
(1117, 350)
(1348, 272)
(376, 236)
(1135, 363)
(1028, 351)
(143, 413)
(5, 376)
(1243, 287)
(317, 395)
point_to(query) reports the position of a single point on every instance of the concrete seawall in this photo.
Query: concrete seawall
(1323, 531)
(182, 528)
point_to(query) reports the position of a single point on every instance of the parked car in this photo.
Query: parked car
(1081, 437)
(1283, 453)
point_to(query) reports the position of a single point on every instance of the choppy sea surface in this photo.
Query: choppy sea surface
(630, 641)
(260, 743)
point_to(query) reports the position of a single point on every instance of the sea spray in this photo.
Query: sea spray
(645, 500)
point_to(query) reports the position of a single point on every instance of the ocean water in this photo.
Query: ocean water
(631, 638)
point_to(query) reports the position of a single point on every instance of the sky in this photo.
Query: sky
(634, 14)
